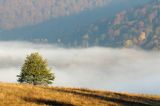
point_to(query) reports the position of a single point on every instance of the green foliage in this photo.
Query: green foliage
(35, 71)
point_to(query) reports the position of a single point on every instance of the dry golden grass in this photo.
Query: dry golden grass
(28, 95)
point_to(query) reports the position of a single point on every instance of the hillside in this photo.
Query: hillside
(124, 23)
(27, 95)
(17, 13)
(136, 27)
(71, 30)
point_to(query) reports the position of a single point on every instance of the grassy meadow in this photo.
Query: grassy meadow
(28, 95)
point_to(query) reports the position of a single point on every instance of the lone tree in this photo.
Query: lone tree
(35, 71)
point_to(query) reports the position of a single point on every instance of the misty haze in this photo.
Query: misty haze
(123, 69)
(80, 52)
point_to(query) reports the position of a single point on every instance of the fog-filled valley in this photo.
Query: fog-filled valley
(126, 70)
(98, 44)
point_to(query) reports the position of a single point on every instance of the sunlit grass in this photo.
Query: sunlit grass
(28, 95)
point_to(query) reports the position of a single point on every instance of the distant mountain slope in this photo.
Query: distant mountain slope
(137, 27)
(17, 13)
(70, 30)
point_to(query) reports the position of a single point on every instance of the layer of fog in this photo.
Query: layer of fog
(125, 70)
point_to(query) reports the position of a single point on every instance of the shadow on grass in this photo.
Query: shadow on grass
(142, 100)
(46, 102)
(121, 101)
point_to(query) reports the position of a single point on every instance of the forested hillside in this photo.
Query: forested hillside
(87, 28)
(136, 27)
(16, 13)
(124, 23)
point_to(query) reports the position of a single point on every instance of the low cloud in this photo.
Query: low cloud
(125, 70)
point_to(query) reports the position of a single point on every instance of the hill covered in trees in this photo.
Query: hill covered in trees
(124, 23)
(17, 13)
(76, 30)
(135, 27)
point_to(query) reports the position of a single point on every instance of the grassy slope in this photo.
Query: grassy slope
(27, 95)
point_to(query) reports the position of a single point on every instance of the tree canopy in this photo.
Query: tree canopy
(35, 71)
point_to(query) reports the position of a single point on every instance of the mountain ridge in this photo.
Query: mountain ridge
(137, 27)
(18, 13)
(70, 30)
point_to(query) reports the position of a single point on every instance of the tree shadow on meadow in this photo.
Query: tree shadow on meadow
(46, 102)
(133, 102)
